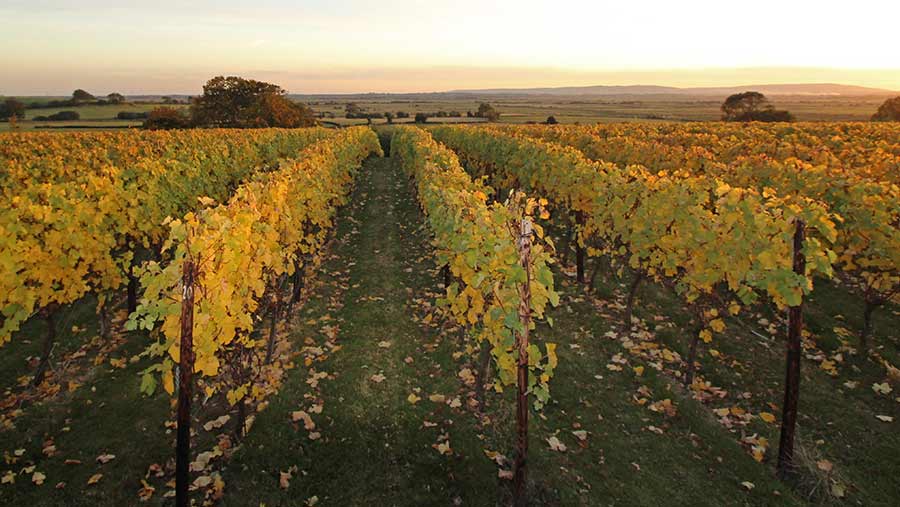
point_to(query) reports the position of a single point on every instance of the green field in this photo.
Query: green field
(92, 116)
(513, 109)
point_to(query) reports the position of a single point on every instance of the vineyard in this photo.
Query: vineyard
(613, 314)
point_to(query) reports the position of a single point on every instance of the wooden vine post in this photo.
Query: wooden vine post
(792, 376)
(579, 248)
(524, 247)
(185, 386)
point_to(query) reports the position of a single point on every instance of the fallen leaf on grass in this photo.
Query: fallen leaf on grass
(94, 479)
(38, 478)
(412, 398)
(216, 423)
(837, 490)
(443, 448)
(556, 445)
(748, 485)
(105, 458)
(384, 344)
(284, 479)
(377, 378)
(825, 465)
(882, 388)
(300, 415)
(767, 417)
(146, 491)
(885, 418)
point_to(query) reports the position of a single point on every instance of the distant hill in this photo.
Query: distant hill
(820, 89)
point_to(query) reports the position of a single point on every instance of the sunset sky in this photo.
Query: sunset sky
(51, 47)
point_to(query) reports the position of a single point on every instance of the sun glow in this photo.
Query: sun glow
(403, 45)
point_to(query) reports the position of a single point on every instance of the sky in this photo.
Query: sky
(50, 47)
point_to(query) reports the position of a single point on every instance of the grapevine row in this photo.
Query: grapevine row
(867, 210)
(226, 261)
(80, 207)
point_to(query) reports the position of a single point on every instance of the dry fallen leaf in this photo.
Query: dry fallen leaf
(94, 479)
(284, 479)
(882, 388)
(767, 417)
(556, 445)
(378, 378)
(105, 458)
(300, 415)
(443, 448)
(38, 478)
(824, 465)
(146, 491)
(216, 423)
(412, 398)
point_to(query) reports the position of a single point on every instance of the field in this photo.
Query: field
(357, 298)
(514, 109)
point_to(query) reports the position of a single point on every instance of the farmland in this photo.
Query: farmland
(513, 108)
(347, 308)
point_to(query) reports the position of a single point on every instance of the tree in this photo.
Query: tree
(487, 112)
(752, 106)
(115, 98)
(80, 95)
(12, 109)
(353, 110)
(165, 118)
(60, 116)
(235, 102)
(551, 120)
(389, 116)
(280, 111)
(889, 111)
(421, 118)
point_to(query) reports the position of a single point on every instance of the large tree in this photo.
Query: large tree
(889, 111)
(752, 106)
(12, 108)
(236, 102)
(165, 118)
(80, 95)
(487, 112)
(115, 98)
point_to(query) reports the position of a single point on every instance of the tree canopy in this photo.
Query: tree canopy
(752, 106)
(164, 118)
(236, 102)
(12, 108)
(487, 112)
(889, 111)
(80, 95)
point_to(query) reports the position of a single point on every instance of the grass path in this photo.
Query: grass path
(376, 447)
